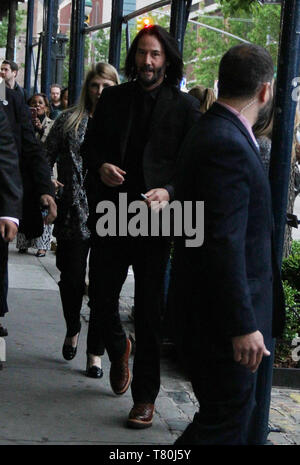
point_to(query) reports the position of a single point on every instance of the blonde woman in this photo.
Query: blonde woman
(71, 231)
(206, 96)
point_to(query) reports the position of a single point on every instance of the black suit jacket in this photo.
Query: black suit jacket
(10, 179)
(35, 170)
(107, 136)
(10, 190)
(225, 288)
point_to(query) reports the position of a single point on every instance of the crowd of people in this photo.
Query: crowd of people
(146, 143)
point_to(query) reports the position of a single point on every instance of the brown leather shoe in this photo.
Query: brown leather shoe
(119, 372)
(141, 416)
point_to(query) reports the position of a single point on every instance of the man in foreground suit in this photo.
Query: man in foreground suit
(224, 291)
(132, 148)
(35, 171)
(10, 203)
(38, 190)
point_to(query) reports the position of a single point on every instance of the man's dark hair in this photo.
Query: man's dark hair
(55, 85)
(174, 72)
(243, 69)
(12, 64)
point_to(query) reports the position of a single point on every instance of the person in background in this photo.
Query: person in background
(55, 101)
(206, 96)
(70, 229)
(40, 109)
(64, 98)
(40, 117)
(262, 130)
(9, 72)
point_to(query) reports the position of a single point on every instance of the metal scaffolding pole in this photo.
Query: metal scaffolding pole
(285, 107)
(179, 16)
(47, 45)
(76, 63)
(115, 33)
(36, 72)
(29, 33)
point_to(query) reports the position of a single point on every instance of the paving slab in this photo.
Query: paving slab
(45, 399)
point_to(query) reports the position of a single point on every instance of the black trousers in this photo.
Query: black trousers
(110, 259)
(234, 403)
(3, 276)
(71, 260)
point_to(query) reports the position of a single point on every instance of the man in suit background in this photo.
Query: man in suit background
(10, 203)
(9, 72)
(132, 147)
(228, 293)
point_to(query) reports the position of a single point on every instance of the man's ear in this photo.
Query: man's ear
(264, 92)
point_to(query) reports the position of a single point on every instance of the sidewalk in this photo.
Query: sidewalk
(47, 400)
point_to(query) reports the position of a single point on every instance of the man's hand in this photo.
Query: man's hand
(48, 201)
(111, 175)
(159, 196)
(56, 184)
(8, 229)
(249, 350)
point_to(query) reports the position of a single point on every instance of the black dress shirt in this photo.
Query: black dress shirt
(143, 105)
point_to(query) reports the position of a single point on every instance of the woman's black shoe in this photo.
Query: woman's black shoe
(22, 250)
(68, 351)
(93, 371)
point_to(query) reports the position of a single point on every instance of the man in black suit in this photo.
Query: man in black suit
(38, 190)
(10, 203)
(228, 292)
(132, 148)
(35, 171)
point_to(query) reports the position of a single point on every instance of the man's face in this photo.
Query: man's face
(150, 60)
(7, 74)
(55, 94)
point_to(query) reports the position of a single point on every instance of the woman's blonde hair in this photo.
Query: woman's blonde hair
(105, 71)
(264, 123)
(206, 96)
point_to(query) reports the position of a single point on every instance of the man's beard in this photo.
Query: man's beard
(157, 74)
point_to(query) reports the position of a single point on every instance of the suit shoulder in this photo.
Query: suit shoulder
(214, 134)
(13, 95)
(217, 124)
